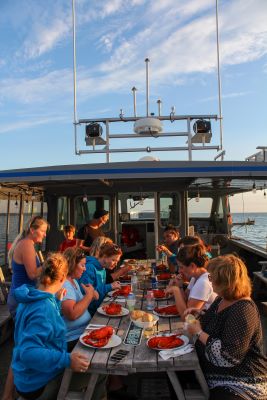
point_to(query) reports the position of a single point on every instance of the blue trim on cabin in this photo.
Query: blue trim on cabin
(125, 171)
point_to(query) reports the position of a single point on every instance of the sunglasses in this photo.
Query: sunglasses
(80, 257)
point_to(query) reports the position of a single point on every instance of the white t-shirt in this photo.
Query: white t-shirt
(201, 289)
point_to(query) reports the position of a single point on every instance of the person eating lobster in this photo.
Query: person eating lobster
(96, 275)
(192, 262)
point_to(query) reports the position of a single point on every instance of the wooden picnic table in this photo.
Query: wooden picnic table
(139, 359)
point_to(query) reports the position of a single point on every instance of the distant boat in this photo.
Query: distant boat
(247, 222)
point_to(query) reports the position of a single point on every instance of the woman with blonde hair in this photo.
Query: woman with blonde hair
(40, 353)
(95, 273)
(229, 335)
(25, 265)
(111, 274)
(97, 243)
(23, 259)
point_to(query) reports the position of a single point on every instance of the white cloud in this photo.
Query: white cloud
(29, 123)
(178, 47)
(111, 6)
(226, 96)
(46, 38)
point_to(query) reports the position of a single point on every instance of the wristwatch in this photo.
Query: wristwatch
(199, 333)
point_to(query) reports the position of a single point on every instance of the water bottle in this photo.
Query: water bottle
(154, 279)
(130, 302)
(163, 258)
(150, 301)
(134, 283)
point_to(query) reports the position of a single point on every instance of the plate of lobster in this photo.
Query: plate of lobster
(124, 291)
(102, 338)
(167, 341)
(113, 310)
(165, 276)
(166, 311)
(159, 294)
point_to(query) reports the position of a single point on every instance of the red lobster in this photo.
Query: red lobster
(99, 337)
(159, 294)
(124, 291)
(112, 309)
(161, 267)
(164, 277)
(168, 310)
(165, 342)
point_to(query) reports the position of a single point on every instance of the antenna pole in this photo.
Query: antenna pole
(147, 87)
(74, 76)
(219, 78)
(134, 99)
(159, 107)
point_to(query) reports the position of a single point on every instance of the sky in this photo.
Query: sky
(113, 39)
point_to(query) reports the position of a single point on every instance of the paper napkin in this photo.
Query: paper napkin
(166, 354)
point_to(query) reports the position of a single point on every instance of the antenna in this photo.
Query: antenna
(219, 77)
(134, 99)
(147, 86)
(74, 76)
(159, 106)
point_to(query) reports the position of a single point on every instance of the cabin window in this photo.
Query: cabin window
(199, 214)
(85, 207)
(169, 208)
(62, 212)
(136, 206)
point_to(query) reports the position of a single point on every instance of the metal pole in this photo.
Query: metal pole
(107, 143)
(147, 87)
(219, 77)
(189, 140)
(74, 76)
(134, 99)
(7, 227)
(159, 107)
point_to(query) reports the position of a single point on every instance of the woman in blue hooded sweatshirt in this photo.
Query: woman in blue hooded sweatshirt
(40, 354)
(95, 273)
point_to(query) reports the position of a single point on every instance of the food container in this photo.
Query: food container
(145, 324)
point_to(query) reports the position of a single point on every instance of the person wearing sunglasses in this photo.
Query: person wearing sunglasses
(229, 335)
(95, 273)
(74, 303)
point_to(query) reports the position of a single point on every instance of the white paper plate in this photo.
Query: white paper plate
(114, 341)
(183, 337)
(124, 312)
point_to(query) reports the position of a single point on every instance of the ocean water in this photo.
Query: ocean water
(257, 233)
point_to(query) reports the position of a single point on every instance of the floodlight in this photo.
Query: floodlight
(202, 129)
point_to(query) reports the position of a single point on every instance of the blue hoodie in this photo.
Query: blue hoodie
(40, 339)
(96, 275)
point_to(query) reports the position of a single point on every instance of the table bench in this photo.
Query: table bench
(139, 359)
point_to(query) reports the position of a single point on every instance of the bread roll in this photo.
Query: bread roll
(137, 314)
(147, 317)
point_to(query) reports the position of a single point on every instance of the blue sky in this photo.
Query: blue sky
(113, 39)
